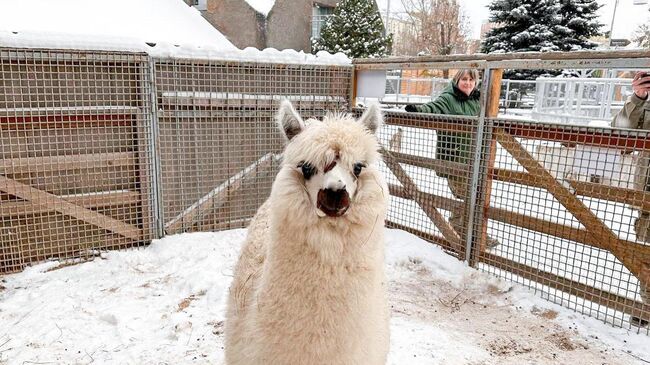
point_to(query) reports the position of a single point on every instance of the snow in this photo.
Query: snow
(165, 304)
(161, 28)
(261, 6)
(169, 22)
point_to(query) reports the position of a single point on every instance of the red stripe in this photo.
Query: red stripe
(594, 138)
(64, 121)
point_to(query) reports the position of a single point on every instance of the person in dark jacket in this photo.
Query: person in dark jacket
(460, 97)
(636, 115)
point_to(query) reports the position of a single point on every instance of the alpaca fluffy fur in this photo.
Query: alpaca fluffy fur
(307, 289)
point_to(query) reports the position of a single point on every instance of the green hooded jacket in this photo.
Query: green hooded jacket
(453, 146)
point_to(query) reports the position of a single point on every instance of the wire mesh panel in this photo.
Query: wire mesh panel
(219, 144)
(427, 166)
(569, 209)
(75, 157)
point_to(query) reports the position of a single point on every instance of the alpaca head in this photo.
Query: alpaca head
(329, 165)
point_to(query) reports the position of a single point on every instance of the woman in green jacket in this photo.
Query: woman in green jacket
(460, 97)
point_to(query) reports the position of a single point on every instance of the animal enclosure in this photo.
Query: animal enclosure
(104, 150)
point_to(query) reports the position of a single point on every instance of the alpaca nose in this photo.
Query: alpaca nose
(333, 202)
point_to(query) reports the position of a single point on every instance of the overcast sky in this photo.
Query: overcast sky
(628, 15)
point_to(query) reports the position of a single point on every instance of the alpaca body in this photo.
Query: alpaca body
(309, 289)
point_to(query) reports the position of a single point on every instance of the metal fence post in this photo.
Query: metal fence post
(480, 181)
(156, 180)
(475, 162)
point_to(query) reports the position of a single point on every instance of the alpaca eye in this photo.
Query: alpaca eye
(307, 169)
(358, 167)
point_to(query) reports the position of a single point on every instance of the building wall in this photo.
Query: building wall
(235, 19)
(288, 25)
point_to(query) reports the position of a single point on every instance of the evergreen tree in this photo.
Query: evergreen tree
(540, 26)
(356, 29)
(578, 22)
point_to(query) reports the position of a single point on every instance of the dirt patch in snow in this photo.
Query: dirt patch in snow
(484, 317)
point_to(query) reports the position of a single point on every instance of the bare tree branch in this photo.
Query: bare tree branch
(432, 27)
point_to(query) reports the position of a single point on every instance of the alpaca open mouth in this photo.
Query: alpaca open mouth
(333, 212)
(333, 203)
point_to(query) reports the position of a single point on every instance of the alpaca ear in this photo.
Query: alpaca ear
(372, 118)
(289, 121)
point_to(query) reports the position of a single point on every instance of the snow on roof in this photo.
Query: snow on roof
(162, 28)
(168, 22)
(262, 6)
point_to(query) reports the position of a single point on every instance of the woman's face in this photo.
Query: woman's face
(466, 84)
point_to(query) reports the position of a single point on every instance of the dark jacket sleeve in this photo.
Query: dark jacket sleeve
(439, 106)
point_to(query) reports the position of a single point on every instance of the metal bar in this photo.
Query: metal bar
(477, 148)
(154, 143)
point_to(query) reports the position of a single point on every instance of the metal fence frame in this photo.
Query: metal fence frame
(185, 96)
(486, 131)
(205, 129)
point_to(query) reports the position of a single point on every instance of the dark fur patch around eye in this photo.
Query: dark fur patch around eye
(307, 170)
(357, 168)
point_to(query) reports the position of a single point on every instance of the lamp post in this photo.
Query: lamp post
(611, 27)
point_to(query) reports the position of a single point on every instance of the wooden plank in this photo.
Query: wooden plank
(431, 121)
(632, 197)
(24, 165)
(218, 195)
(534, 224)
(439, 166)
(435, 201)
(353, 89)
(636, 198)
(67, 110)
(63, 121)
(411, 189)
(585, 216)
(574, 234)
(89, 201)
(610, 138)
(57, 204)
(578, 289)
(494, 93)
(576, 55)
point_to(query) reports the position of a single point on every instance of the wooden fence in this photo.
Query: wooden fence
(570, 238)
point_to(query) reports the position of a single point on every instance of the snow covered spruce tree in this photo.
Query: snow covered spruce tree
(578, 21)
(356, 29)
(540, 26)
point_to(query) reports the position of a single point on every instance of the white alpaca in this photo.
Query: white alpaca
(309, 287)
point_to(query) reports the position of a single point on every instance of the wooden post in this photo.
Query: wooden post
(353, 88)
(492, 110)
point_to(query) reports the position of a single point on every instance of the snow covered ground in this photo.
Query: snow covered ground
(164, 304)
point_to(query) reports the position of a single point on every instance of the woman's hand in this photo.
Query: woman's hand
(411, 108)
(641, 85)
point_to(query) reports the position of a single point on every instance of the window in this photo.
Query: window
(320, 13)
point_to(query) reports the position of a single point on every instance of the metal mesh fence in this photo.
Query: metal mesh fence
(567, 206)
(427, 169)
(566, 212)
(219, 143)
(105, 150)
(75, 154)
